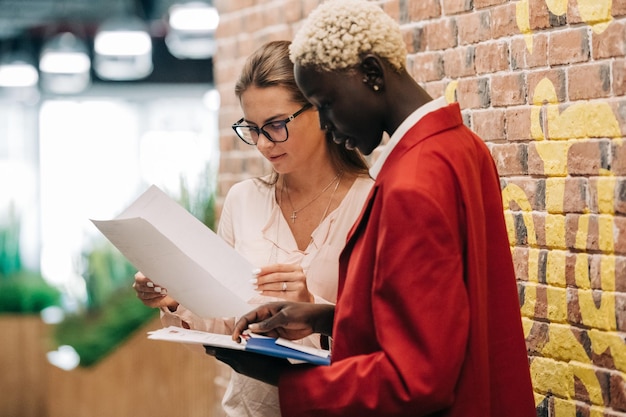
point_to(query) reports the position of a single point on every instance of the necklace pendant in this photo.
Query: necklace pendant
(293, 217)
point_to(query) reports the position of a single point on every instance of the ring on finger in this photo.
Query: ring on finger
(284, 286)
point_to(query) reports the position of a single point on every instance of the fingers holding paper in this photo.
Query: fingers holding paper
(286, 281)
(152, 295)
(289, 320)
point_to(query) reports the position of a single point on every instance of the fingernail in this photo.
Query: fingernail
(157, 289)
(256, 271)
(253, 326)
(163, 291)
(254, 281)
(150, 284)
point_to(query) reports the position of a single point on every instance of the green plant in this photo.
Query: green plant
(10, 259)
(94, 334)
(26, 292)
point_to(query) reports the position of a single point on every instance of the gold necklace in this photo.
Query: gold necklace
(294, 211)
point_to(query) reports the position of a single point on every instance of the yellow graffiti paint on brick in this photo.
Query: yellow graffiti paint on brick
(550, 376)
(530, 300)
(595, 13)
(613, 341)
(586, 374)
(606, 194)
(555, 194)
(563, 345)
(555, 231)
(555, 268)
(602, 317)
(606, 236)
(581, 271)
(554, 157)
(581, 120)
(513, 193)
(557, 305)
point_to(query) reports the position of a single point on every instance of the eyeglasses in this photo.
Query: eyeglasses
(275, 131)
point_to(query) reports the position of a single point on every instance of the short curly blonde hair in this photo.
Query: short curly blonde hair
(338, 32)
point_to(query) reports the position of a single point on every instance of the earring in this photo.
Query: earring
(376, 87)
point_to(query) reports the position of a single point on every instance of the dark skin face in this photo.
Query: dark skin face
(349, 107)
(358, 104)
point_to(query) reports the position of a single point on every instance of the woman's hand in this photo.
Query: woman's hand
(152, 295)
(289, 320)
(286, 281)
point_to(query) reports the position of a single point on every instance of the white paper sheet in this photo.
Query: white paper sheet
(177, 251)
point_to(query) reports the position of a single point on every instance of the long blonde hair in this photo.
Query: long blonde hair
(270, 66)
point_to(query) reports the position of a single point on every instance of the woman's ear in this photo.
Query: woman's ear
(373, 72)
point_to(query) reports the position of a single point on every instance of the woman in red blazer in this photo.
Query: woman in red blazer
(427, 321)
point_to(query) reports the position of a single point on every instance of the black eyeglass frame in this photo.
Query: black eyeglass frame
(261, 129)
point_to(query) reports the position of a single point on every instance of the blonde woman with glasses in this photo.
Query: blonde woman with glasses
(293, 223)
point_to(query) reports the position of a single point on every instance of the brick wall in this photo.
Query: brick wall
(543, 82)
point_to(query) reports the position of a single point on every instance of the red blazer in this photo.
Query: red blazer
(427, 321)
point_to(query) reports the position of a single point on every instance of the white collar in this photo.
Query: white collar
(404, 127)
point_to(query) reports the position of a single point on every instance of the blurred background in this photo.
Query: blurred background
(98, 100)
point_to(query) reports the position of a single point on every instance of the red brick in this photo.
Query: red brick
(508, 89)
(618, 106)
(568, 47)
(520, 262)
(620, 198)
(503, 22)
(488, 124)
(618, 161)
(510, 159)
(556, 77)
(611, 42)
(587, 157)
(436, 88)
(392, 8)
(534, 161)
(576, 192)
(440, 35)
(619, 228)
(617, 384)
(539, 17)
(480, 4)
(413, 39)
(474, 27)
(534, 191)
(456, 6)
(619, 77)
(292, 11)
(473, 93)
(620, 314)
(618, 8)
(518, 123)
(426, 66)
(589, 81)
(422, 10)
(522, 58)
(459, 62)
(491, 57)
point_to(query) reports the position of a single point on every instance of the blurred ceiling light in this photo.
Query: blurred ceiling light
(17, 71)
(191, 30)
(65, 65)
(123, 50)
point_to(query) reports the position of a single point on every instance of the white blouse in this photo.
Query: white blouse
(252, 222)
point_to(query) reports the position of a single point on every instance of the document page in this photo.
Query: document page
(280, 348)
(178, 252)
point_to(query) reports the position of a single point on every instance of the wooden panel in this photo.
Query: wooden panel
(22, 366)
(142, 378)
